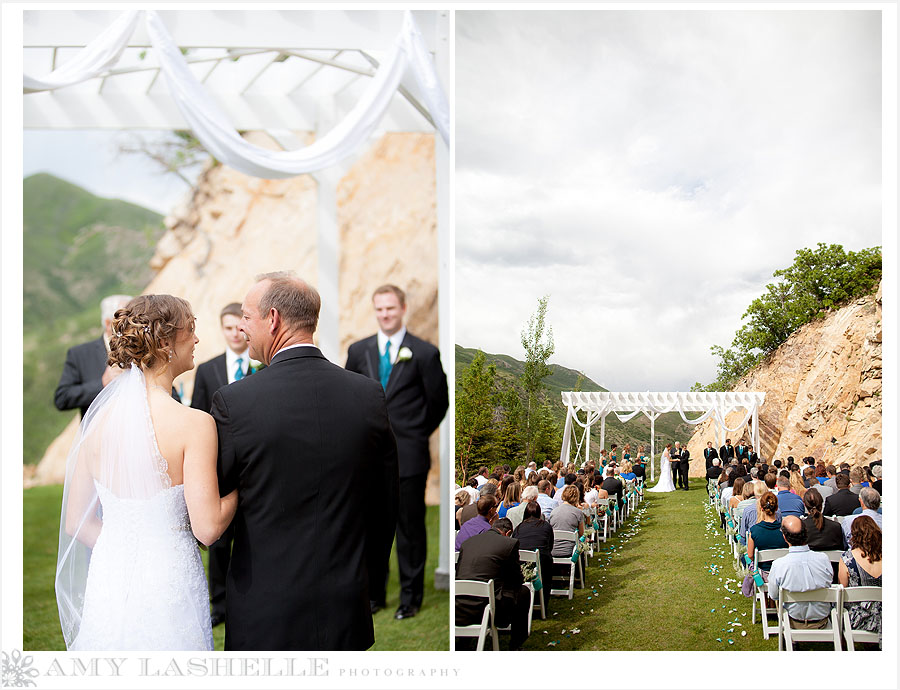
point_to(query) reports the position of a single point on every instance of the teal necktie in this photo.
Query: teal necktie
(384, 365)
(239, 372)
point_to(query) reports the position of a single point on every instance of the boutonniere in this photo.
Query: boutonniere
(256, 366)
(404, 354)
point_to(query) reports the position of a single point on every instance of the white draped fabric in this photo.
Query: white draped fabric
(210, 124)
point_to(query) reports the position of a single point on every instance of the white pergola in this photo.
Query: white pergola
(278, 71)
(626, 406)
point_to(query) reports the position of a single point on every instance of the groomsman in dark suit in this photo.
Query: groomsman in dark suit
(415, 386)
(726, 452)
(684, 466)
(709, 454)
(742, 452)
(232, 365)
(85, 372)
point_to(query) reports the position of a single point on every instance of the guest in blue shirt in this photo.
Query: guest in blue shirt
(789, 503)
(511, 499)
(766, 534)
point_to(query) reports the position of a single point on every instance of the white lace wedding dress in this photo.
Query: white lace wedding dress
(129, 574)
(665, 476)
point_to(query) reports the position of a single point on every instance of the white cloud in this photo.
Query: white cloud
(649, 171)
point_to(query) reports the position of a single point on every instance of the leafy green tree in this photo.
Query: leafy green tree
(507, 439)
(537, 340)
(474, 414)
(818, 281)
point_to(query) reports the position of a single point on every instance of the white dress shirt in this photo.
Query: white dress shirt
(396, 341)
(802, 570)
(231, 358)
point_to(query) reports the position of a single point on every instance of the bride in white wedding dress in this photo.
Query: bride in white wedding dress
(665, 474)
(140, 490)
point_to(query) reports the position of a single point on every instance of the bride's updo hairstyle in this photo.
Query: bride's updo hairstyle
(141, 326)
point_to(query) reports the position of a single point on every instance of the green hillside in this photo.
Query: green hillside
(77, 248)
(669, 427)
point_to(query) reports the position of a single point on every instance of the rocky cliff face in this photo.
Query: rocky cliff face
(824, 382)
(233, 227)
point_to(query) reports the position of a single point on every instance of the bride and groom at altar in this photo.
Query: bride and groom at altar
(300, 457)
(674, 467)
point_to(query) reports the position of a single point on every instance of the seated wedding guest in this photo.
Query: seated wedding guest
(553, 478)
(471, 489)
(770, 480)
(843, 501)
(534, 532)
(510, 499)
(856, 480)
(844, 468)
(809, 477)
(567, 516)
(860, 566)
(470, 511)
(482, 476)
(797, 487)
(504, 484)
(533, 479)
(519, 475)
(517, 513)
(824, 534)
(460, 500)
(766, 534)
(801, 570)
(789, 503)
(545, 498)
(487, 512)
(714, 470)
(747, 499)
(494, 555)
(831, 472)
(821, 473)
(627, 471)
(736, 492)
(870, 502)
(611, 485)
(640, 471)
(751, 513)
(876, 472)
(591, 494)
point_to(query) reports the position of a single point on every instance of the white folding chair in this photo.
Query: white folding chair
(475, 588)
(563, 535)
(537, 597)
(456, 557)
(759, 593)
(853, 595)
(603, 519)
(830, 633)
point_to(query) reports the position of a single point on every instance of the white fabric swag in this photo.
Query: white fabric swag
(210, 124)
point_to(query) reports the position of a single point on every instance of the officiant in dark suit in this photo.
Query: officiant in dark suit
(415, 386)
(85, 372)
(675, 461)
(232, 365)
(310, 449)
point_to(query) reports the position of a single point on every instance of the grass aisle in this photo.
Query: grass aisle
(660, 583)
(427, 631)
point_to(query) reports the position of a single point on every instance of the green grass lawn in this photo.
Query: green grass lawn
(660, 583)
(427, 631)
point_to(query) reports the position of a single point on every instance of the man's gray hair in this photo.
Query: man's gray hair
(754, 471)
(487, 489)
(530, 493)
(532, 464)
(783, 482)
(109, 306)
(716, 462)
(295, 300)
(870, 498)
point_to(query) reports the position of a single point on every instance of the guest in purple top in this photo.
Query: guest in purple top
(480, 523)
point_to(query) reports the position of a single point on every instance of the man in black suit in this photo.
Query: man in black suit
(415, 386)
(684, 466)
(85, 372)
(232, 365)
(494, 555)
(309, 447)
(709, 454)
(675, 463)
(843, 501)
(726, 452)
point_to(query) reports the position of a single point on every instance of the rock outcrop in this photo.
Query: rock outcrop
(823, 383)
(233, 227)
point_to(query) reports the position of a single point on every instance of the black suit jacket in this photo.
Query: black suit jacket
(487, 556)
(726, 453)
(842, 502)
(210, 377)
(80, 381)
(685, 457)
(416, 395)
(710, 454)
(309, 447)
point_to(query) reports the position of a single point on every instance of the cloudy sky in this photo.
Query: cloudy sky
(650, 170)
